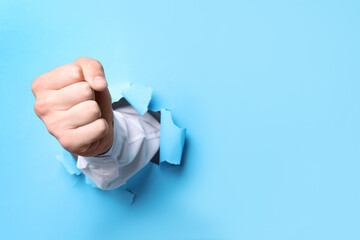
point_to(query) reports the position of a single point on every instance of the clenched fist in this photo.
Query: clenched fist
(75, 104)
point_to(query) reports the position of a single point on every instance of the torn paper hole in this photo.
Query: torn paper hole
(172, 137)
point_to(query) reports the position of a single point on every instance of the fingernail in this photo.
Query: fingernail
(99, 80)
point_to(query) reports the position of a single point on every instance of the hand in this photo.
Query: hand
(75, 104)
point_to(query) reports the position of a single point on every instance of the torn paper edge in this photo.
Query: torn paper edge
(172, 137)
(69, 163)
(137, 95)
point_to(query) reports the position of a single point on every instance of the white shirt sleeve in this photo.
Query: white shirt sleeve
(136, 141)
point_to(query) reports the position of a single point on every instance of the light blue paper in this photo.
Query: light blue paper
(139, 97)
(69, 162)
(172, 139)
(116, 90)
(268, 92)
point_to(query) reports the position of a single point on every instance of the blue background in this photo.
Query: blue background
(268, 92)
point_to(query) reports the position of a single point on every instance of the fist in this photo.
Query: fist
(75, 104)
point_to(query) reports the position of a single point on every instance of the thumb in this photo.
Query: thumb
(93, 73)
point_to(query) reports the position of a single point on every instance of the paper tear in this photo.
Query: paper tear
(172, 139)
(137, 95)
(116, 90)
(133, 195)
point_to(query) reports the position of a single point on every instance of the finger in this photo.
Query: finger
(72, 95)
(104, 101)
(82, 114)
(83, 136)
(58, 78)
(93, 73)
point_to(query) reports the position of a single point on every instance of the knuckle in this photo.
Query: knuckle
(54, 125)
(51, 127)
(87, 91)
(75, 71)
(34, 85)
(102, 126)
(94, 108)
(72, 145)
(38, 109)
(42, 107)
